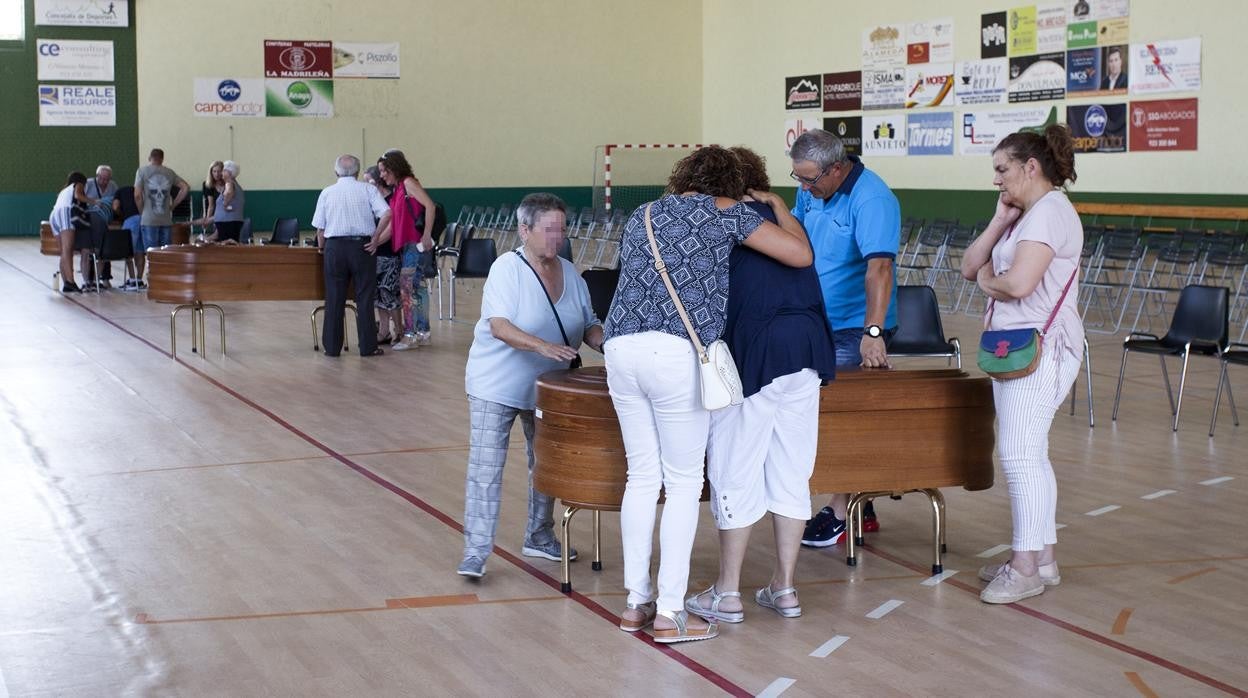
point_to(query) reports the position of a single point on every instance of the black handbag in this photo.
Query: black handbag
(576, 362)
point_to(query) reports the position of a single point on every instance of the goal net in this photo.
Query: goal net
(627, 175)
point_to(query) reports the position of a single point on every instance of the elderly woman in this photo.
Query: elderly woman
(227, 210)
(517, 339)
(1026, 261)
(64, 226)
(389, 315)
(652, 369)
(761, 453)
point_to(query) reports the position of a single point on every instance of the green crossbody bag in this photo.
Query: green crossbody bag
(1006, 354)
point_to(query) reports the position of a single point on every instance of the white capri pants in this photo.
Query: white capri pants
(761, 453)
(1025, 408)
(653, 381)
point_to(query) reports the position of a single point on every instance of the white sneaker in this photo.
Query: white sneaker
(403, 344)
(1011, 587)
(1049, 574)
(423, 339)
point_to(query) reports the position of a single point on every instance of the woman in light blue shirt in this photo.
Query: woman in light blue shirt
(535, 313)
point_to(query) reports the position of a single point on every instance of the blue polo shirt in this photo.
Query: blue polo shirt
(861, 220)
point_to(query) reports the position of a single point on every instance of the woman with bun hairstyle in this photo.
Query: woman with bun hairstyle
(1026, 261)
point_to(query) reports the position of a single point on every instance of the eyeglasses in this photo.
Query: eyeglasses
(811, 182)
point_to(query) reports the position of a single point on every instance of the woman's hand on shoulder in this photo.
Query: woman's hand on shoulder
(770, 198)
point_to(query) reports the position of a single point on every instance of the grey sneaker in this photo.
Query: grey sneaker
(472, 566)
(1049, 574)
(550, 550)
(1010, 587)
(423, 339)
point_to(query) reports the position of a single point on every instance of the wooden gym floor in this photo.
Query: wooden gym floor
(276, 522)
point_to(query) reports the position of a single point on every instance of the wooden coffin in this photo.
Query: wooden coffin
(211, 273)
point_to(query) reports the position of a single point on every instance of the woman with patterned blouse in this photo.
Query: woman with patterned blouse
(652, 370)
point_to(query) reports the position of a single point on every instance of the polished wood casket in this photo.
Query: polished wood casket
(191, 273)
(49, 245)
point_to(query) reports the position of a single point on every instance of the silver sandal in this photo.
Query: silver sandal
(695, 607)
(766, 598)
(682, 633)
(647, 611)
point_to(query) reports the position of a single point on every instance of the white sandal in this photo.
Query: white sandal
(766, 598)
(694, 606)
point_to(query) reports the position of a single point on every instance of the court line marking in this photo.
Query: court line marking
(1217, 480)
(273, 461)
(994, 550)
(1059, 526)
(884, 609)
(1184, 577)
(391, 605)
(1159, 494)
(1120, 623)
(689, 663)
(1103, 510)
(777, 687)
(1139, 684)
(1083, 632)
(938, 578)
(830, 646)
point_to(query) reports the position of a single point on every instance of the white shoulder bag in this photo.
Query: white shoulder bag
(721, 384)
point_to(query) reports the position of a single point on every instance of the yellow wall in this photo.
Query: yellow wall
(751, 45)
(502, 93)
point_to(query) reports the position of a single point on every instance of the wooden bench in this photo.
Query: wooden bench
(1147, 215)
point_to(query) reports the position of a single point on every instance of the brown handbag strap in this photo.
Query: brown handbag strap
(660, 267)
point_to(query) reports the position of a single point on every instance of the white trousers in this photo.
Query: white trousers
(762, 452)
(1025, 409)
(653, 380)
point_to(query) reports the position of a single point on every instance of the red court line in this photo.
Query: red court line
(1070, 627)
(689, 663)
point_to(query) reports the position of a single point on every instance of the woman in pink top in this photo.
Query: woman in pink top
(410, 243)
(1027, 261)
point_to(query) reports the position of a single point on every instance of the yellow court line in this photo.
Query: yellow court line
(1139, 684)
(1120, 623)
(1197, 573)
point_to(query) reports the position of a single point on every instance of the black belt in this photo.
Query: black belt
(348, 237)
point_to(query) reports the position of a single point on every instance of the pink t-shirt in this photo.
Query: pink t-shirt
(404, 211)
(1052, 221)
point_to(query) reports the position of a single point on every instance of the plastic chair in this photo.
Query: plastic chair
(285, 232)
(114, 246)
(1233, 355)
(919, 329)
(1200, 324)
(602, 284)
(476, 255)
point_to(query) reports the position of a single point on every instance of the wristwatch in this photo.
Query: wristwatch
(873, 331)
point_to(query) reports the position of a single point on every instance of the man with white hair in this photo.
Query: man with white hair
(344, 222)
(102, 190)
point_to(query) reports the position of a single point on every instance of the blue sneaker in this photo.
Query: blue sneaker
(823, 530)
(550, 550)
(471, 567)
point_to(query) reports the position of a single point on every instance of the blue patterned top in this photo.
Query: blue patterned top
(695, 238)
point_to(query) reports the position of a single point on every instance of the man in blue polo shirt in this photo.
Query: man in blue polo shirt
(854, 223)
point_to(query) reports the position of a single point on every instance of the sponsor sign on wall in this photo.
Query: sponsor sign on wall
(1164, 124)
(299, 97)
(929, 42)
(366, 60)
(992, 35)
(1113, 31)
(883, 47)
(1165, 66)
(884, 135)
(1098, 128)
(77, 105)
(64, 59)
(1022, 33)
(298, 59)
(1036, 78)
(1050, 28)
(929, 85)
(884, 89)
(1083, 71)
(981, 82)
(929, 133)
(982, 130)
(1085, 10)
(848, 129)
(228, 97)
(796, 127)
(1081, 35)
(842, 91)
(803, 92)
(83, 13)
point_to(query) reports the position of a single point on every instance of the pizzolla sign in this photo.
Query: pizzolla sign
(219, 97)
(298, 59)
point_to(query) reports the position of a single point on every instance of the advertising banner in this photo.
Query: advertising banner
(1164, 124)
(82, 13)
(1085, 10)
(796, 127)
(299, 97)
(1037, 78)
(366, 60)
(1081, 34)
(842, 91)
(1113, 31)
(930, 42)
(77, 105)
(884, 89)
(992, 35)
(982, 130)
(64, 59)
(848, 129)
(1022, 36)
(883, 47)
(981, 82)
(929, 133)
(929, 85)
(803, 92)
(1098, 128)
(1165, 66)
(298, 59)
(229, 97)
(1050, 28)
(1083, 72)
(883, 135)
